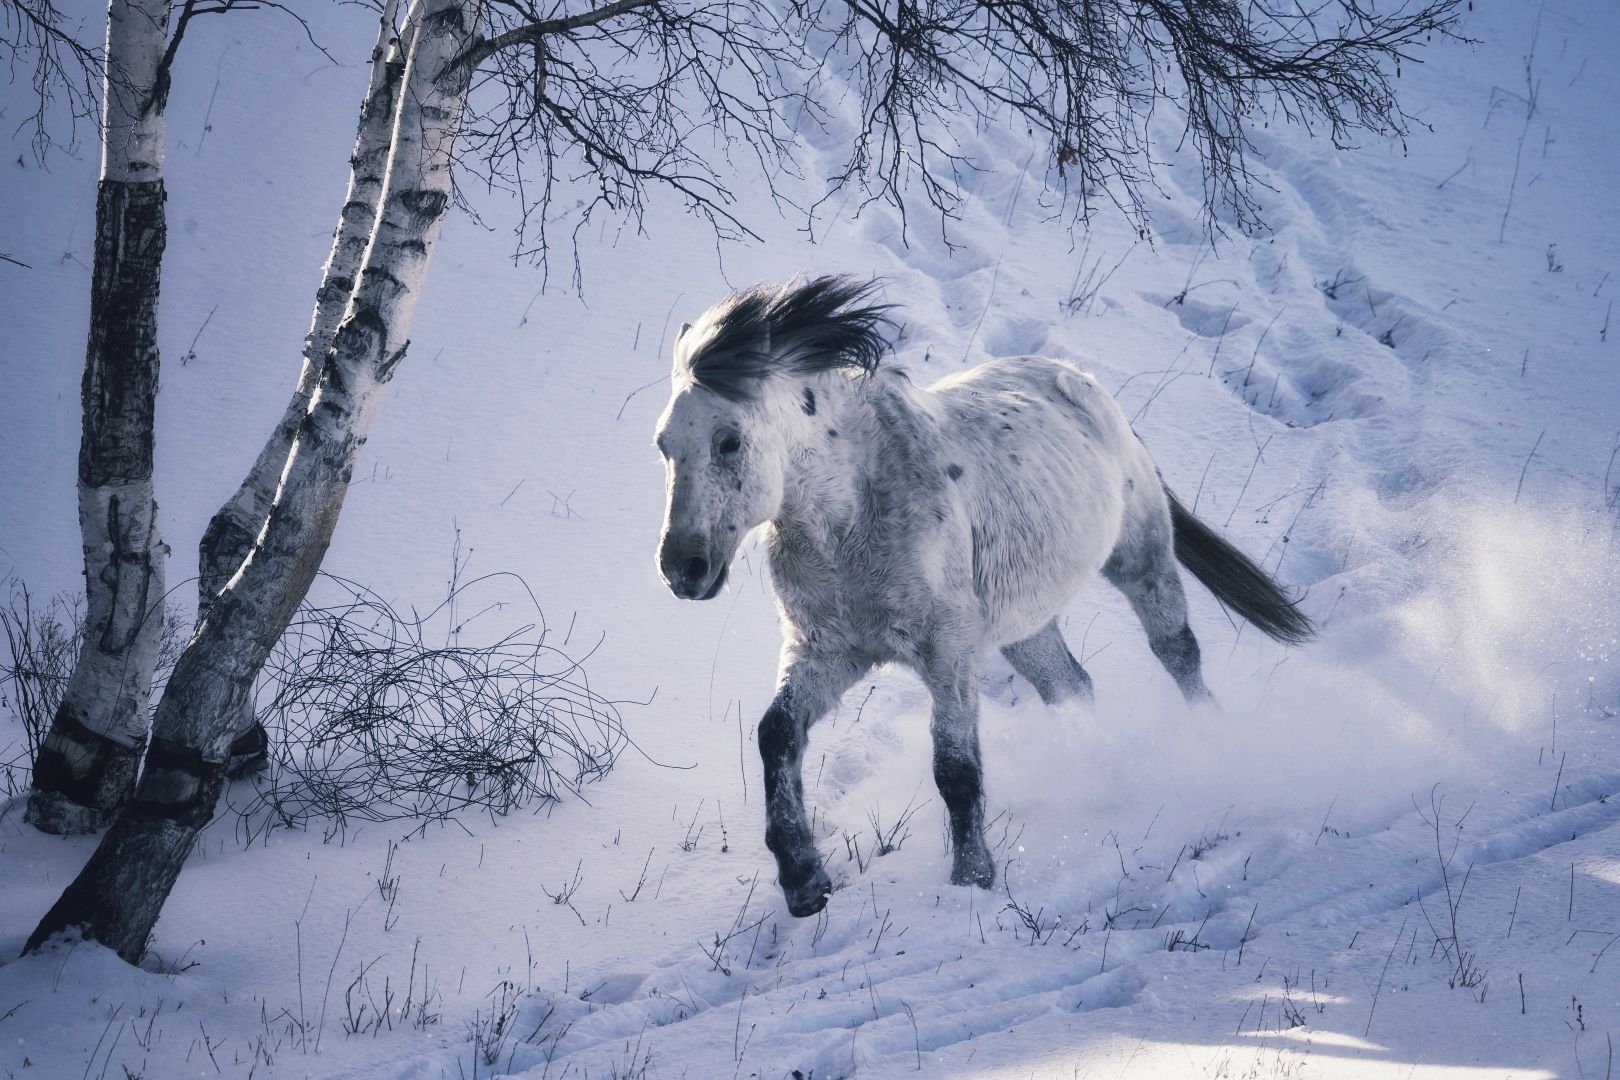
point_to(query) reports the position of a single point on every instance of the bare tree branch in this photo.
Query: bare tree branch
(1085, 76)
(536, 33)
(191, 9)
(35, 39)
(610, 102)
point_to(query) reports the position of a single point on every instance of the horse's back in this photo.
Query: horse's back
(1050, 474)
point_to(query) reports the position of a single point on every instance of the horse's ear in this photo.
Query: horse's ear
(685, 326)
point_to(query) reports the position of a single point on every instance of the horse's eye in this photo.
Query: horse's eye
(730, 444)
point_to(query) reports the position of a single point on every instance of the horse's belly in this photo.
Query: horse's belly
(1047, 508)
(1024, 577)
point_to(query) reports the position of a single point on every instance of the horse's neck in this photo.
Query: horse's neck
(829, 481)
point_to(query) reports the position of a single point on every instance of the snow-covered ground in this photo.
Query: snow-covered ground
(1395, 852)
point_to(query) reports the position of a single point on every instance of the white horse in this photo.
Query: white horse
(918, 526)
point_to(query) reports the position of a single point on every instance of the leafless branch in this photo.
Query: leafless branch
(607, 103)
(39, 42)
(1085, 76)
(189, 10)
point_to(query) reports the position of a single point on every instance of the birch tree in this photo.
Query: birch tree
(610, 103)
(87, 764)
(234, 527)
(117, 896)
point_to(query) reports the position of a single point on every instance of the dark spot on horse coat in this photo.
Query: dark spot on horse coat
(954, 472)
(809, 405)
(832, 433)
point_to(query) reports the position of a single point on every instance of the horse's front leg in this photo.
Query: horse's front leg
(957, 768)
(809, 688)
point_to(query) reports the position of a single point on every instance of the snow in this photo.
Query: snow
(1272, 888)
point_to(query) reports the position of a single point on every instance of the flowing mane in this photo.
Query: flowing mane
(799, 328)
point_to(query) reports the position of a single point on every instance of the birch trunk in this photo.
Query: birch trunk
(86, 766)
(230, 534)
(118, 895)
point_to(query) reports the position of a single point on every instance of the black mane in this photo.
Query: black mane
(800, 328)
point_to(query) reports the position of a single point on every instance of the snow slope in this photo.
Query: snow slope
(1393, 853)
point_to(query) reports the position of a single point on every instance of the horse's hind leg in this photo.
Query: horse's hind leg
(1045, 660)
(809, 687)
(1143, 567)
(958, 771)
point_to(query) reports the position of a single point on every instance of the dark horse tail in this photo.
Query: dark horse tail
(1235, 581)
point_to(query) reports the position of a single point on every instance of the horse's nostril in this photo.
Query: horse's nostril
(697, 568)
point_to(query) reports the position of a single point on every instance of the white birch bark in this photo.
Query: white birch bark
(87, 763)
(117, 896)
(236, 524)
(133, 118)
(234, 527)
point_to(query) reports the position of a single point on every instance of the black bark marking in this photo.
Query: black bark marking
(373, 279)
(144, 562)
(385, 370)
(424, 204)
(121, 362)
(335, 289)
(83, 767)
(178, 785)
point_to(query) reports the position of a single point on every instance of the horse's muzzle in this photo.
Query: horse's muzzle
(692, 575)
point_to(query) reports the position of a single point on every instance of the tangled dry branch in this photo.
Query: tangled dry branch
(375, 715)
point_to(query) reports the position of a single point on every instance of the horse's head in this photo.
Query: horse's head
(732, 421)
(723, 470)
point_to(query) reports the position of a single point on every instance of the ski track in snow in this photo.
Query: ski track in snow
(1296, 910)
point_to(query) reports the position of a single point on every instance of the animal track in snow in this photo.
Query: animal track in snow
(924, 252)
(1198, 317)
(1016, 337)
(1303, 376)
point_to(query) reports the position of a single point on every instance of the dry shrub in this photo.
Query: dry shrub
(374, 715)
(41, 648)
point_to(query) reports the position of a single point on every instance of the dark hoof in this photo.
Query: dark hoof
(809, 897)
(975, 868)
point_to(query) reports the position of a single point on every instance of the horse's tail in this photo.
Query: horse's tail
(1235, 580)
